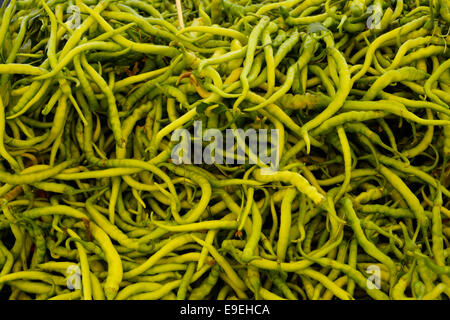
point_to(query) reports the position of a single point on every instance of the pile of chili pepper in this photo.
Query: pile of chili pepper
(93, 205)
